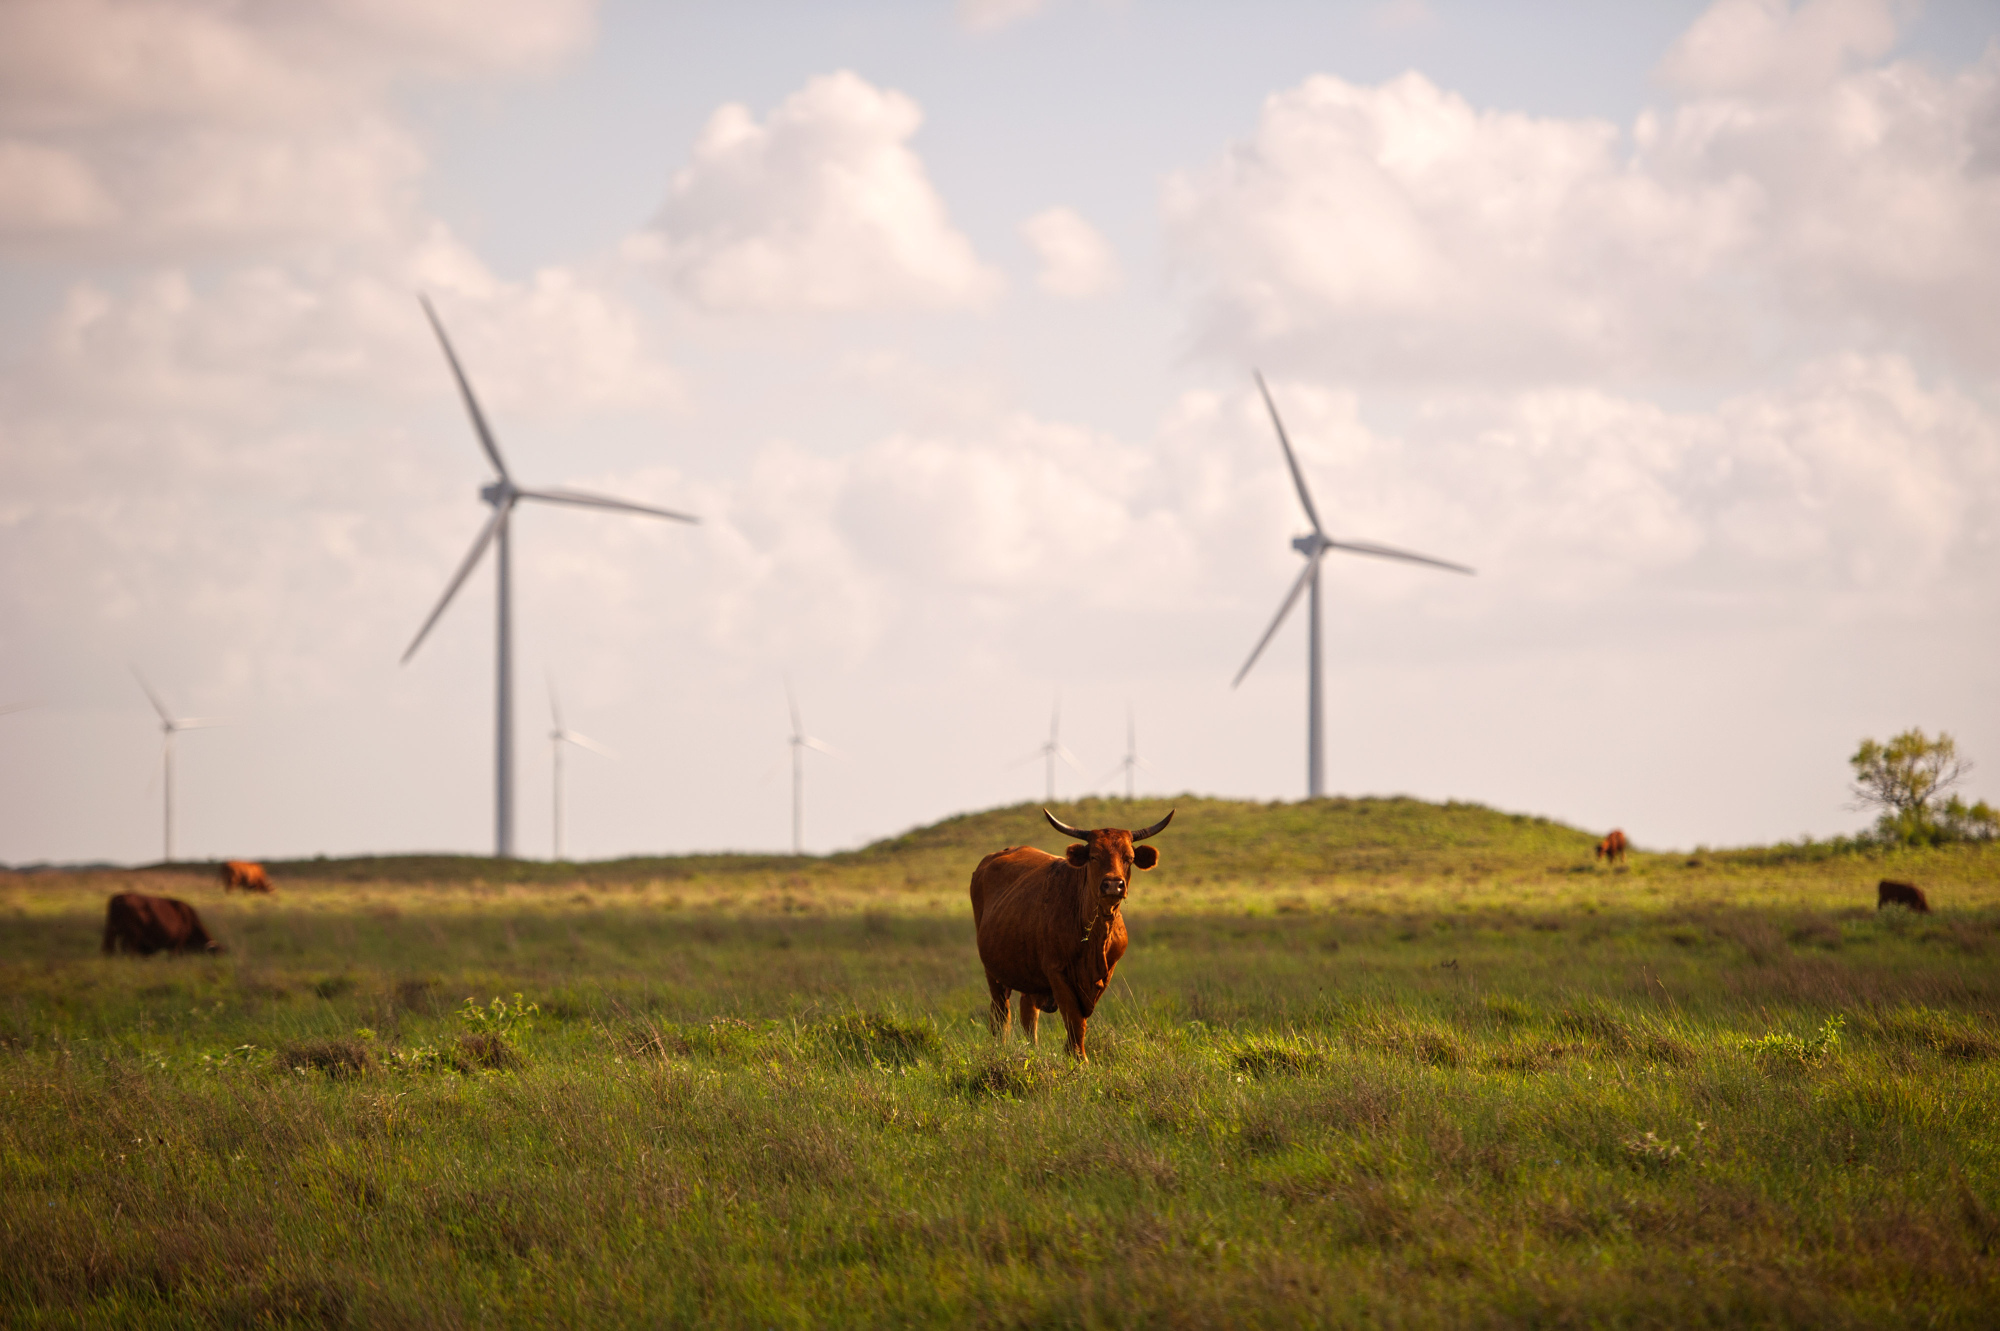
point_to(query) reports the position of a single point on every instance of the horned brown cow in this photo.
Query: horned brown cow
(137, 923)
(1050, 928)
(1891, 893)
(245, 875)
(1612, 848)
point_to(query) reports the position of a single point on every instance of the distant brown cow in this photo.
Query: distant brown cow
(245, 875)
(1050, 929)
(1612, 848)
(142, 924)
(1888, 893)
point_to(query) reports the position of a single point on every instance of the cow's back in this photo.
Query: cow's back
(1016, 914)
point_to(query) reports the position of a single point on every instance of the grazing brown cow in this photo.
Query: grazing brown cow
(142, 924)
(245, 875)
(1888, 893)
(1612, 848)
(1050, 929)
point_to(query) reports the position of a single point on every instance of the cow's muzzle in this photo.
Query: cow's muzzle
(1112, 887)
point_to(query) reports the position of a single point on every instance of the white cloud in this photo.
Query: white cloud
(44, 190)
(1401, 231)
(174, 128)
(1076, 259)
(993, 15)
(823, 207)
(1402, 15)
(1766, 46)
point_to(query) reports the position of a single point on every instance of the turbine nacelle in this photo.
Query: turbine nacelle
(499, 493)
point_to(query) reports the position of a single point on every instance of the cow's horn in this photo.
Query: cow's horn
(1067, 830)
(1155, 829)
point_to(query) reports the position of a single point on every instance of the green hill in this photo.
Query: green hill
(1210, 838)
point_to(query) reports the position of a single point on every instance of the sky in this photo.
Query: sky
(1673, 320)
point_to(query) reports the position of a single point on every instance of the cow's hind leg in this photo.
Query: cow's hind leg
(1030, 1017)
(996, 1011)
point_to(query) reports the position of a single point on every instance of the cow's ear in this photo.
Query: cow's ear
(1078, 854)
(1145, 857)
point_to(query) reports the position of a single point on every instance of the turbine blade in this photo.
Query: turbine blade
(582, 500)
(201, 723)
(153, 698)
(479, 545)
(1298, 477)
(1390, 552)
(465, 391)
(820, 745)
(1034, 757)
(586, 742)
(1063, 753)
(1291, 599)
(17, 707)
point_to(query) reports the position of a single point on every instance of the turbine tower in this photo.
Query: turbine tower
(1314, 546)
(502, 494)
(170, 725)
(800, 742)
(558, 737)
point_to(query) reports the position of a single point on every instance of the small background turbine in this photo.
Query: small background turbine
(170, 726)
(1052, 749)
(558, 737)
(1130, 763)
(800, 742)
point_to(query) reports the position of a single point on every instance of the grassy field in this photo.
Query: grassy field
(1367, 1062)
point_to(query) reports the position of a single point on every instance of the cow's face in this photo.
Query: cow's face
(1108, 860)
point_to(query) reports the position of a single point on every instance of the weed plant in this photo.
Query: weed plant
(1448, 1073)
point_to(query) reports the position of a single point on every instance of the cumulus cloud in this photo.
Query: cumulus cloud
(823, 207)
(1076, 260)
(992, 15)
(1399, 230)
(1766, 46)
(163, 128)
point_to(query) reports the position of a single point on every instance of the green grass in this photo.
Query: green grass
(1367, 1061)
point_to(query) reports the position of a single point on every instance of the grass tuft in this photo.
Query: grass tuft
(335, 1056)
(874, 1039)
(1281, 1057)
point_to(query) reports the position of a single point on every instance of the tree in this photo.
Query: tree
(1907, 779)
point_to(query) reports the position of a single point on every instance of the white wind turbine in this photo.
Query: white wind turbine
(1052, 749)
(170, 725)
(1314, 547)
(1130, 763)
(558, 737)
(800, 742)
(502, 495)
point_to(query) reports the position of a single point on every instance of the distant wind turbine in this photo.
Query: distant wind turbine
(800, 742)
(1053, 749)
(1130, 763)
(502, 495)
(170, 725)
(558, 737)
(1314, 547)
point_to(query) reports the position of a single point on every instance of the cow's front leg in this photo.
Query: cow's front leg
(1073, 1017)
(996, 1011)
(1031, 1018)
